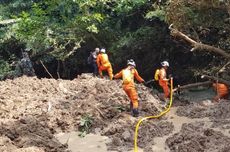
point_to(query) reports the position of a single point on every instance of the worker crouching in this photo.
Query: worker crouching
(221, 90)
(128, 75)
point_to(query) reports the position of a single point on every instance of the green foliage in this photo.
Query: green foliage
(186, 14)
(125, 6)
(158, 13)
(58, 26)
(85, 125)
(63, 25)
(65, 31)
(4, 68)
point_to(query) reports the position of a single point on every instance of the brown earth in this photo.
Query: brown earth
(196, 137)
(34, 110)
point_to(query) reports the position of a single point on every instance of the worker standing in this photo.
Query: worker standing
(128, 75)
(104, 64)
(26, 65)
(163, 81)
(92, 61)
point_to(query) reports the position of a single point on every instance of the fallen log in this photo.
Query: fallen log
(198, 45)
(192, 85)
(216, 79)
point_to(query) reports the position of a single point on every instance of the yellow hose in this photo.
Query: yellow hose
(150, 117)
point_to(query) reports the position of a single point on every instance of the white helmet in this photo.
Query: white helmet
(165, 63)
(102, 51)
(131, 62)
(97, 49)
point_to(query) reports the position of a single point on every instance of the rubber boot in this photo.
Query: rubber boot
(135, 113)
(131, 108)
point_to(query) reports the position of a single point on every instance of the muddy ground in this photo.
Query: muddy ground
(34, 110)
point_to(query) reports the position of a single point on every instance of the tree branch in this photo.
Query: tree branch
(197, 45)
(9, 21)
(216, 79)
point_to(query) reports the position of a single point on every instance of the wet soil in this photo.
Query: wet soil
(196, 137)
(33, 111)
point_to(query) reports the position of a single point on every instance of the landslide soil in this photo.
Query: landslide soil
(34, 110)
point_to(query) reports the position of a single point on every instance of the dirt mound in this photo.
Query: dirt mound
(218, 111)
(195, 137)
(33, 110)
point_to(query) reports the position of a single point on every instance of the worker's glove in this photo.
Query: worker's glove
(144, 82)
(170, 76)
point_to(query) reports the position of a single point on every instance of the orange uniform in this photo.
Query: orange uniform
(104, 64)
(128, 84)
(222, 91)
(163, 82)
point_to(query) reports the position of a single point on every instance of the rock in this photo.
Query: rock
(126, 135)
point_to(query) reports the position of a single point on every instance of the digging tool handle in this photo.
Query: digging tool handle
(152, 80)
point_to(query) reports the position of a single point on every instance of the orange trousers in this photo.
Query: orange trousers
(132, 94)
(165, 89)
(108, 68)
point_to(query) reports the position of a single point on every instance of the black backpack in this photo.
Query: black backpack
(90, 59)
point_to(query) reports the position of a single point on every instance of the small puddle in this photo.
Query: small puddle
(89, 143)
(198, 95)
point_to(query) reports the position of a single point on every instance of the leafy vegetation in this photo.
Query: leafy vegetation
(85, 124)
(62, 33)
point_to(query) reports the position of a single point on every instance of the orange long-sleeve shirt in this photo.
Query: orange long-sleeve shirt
(134, 74)
(162, 77)
(102, 59)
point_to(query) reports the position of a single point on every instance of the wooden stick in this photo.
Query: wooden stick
(46, 70)
(100, 112)
(58, 70)
(223, 68)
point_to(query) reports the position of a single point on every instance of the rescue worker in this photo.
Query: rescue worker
(128, 75)
(221, 90)
(104, 64)
(26, 65)
(92, 61)
(163, 81)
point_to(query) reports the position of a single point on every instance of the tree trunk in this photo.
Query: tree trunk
(192, 85)
(197, 45)
(216, 79)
